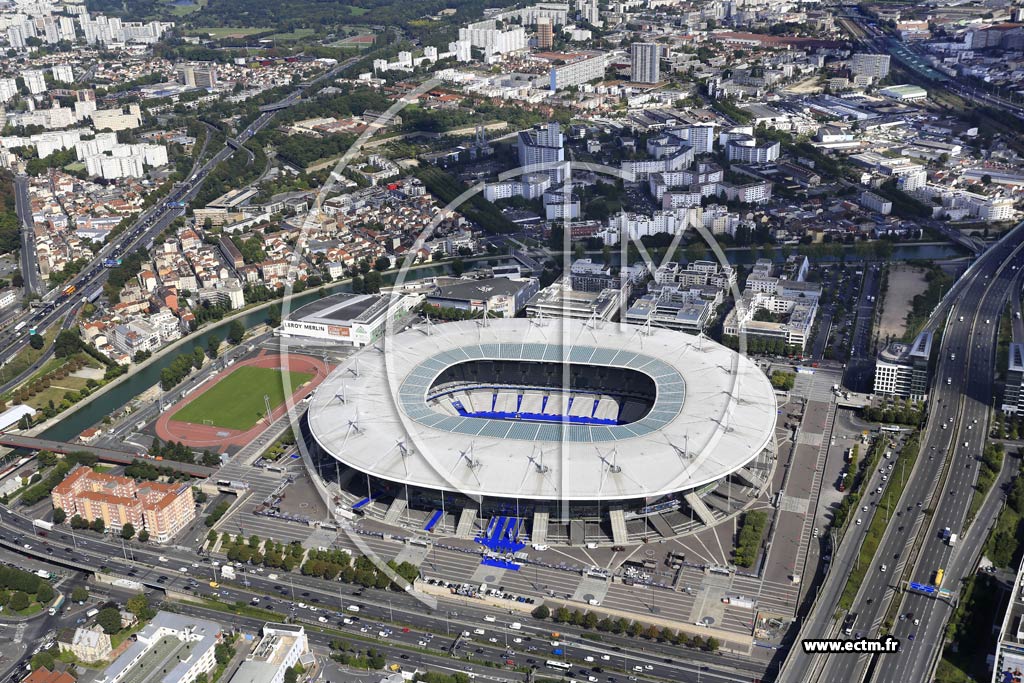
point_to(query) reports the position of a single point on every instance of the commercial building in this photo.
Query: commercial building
(1013, 392)
(560, 300)
(172, 648)
(905, 93)
(351, 319)
(902, 369)
(161, 509)
(503, 296)
(281, 647)
(1008, 662)
(644, 60)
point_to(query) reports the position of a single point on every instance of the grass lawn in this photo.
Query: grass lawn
(225, 31)
(297, 34)
(236, 402)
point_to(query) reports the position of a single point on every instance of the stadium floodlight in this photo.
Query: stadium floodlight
(538, 463)
(467, 455)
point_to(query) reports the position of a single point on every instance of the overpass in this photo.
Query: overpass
(104, 454)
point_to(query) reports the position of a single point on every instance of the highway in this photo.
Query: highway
(961, 391)
(29, 261)
(184, 572)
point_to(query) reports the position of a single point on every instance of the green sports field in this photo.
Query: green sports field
(236, 402)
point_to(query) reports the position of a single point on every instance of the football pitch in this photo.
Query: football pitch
(236, 402)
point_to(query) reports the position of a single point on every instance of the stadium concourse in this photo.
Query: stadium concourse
(543, 431)
(221, 438)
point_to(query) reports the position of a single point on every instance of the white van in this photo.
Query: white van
(489, 618)
(353, 608)
(162, 558)
(479, 631)
(515, 626)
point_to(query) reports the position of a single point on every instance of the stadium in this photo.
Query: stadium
(543, 431)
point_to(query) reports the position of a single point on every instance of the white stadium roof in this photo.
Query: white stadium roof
(714, 412)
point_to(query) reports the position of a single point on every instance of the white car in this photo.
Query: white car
(884, 567)
(859, 521)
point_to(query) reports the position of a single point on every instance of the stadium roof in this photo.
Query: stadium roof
(714, 412)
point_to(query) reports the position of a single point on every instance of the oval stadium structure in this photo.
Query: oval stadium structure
(544, 431)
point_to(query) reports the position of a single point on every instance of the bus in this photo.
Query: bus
(939, 573)
(69, 290)
(20, 326)
(555, 664)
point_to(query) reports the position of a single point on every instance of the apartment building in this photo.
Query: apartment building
(161, 509)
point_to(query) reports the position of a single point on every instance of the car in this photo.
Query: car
(917, 622)
(911, 636)
(883, 568)
(859, 521)
(864, 509)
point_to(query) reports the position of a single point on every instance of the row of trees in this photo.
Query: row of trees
(621, 626)
(179, 452)
(857, 475)
(748, 540)
(763, 345)
(896, 411)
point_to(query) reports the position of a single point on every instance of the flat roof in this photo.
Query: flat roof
(713, 413)
(341, 308)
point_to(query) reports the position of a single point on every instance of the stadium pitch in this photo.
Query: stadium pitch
(236, 401)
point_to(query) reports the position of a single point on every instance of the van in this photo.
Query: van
(515, 626)
(162, 558)
(479, 631)
(272, 577)
(322, 619)
(353, 608)
(347, 620)
(489, 618)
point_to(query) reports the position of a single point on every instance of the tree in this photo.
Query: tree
(45, 593)
(143, 535)
(19, 600)
(541, 612)
(78, 522)
(138, 605)
(79, 594)
(59, 515)
(109, 620)
(42, 659)
(128, 531)
(382, 263)
(291, 675)
(68, 343)
(98, 525)
(213, 346)
(712, 644)
(36, 342)
(236, 332)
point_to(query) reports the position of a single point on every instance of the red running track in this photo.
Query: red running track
(221, 439)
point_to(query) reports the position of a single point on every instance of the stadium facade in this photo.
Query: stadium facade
(543, 431)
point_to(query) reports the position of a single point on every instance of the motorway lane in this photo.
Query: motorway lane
(29, 259)
(128, 559)
(965, 293)
(952, 503)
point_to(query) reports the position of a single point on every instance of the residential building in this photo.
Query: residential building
(88, 644)
(544, 33)
(877, 203)
(172, 648)
(746, 149)
(875, 66)
(35, 81)
(161, 509)
(281, 647)
(644, 60)
(902, 369)
(540, 148)
(576, 69)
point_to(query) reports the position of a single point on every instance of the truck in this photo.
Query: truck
(111, 262)
(939, 573)
(20, 326)
(56, 606)
(952, 539)
(43, 574)
(946, 533)
(227, 572)
(42, 524)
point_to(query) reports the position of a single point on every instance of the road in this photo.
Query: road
(861, 366)
(978, 296)
(29, 260)
(182, 571)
